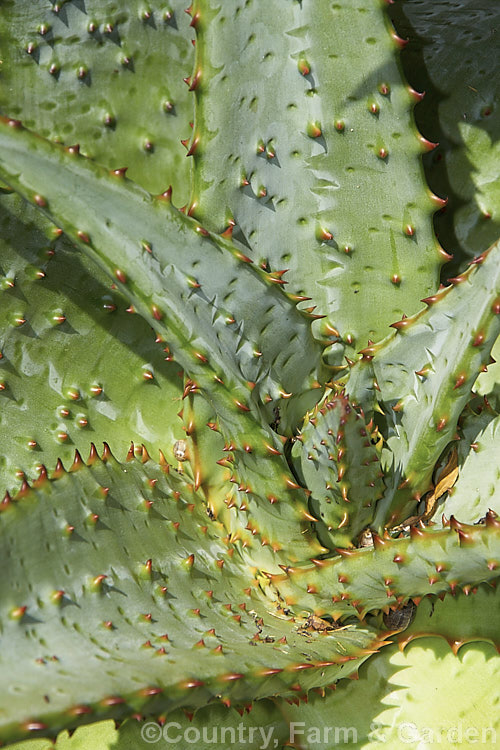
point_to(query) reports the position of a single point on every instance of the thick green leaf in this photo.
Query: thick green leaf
(145, 600)
(429, 561)
(488, 383)
(477, 488)
(459, 619)
(105, 75)
(139, 240)
(80, 367)
(337, 462)
(422, 376)
(317, 159)
(242, 517)
(260, 726)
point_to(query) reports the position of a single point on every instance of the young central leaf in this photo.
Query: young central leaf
(340, 466)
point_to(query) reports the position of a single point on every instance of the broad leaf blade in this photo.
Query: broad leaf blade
(422, 376)
(317, 159)
(137, 602)
(80, 368)
(188, 284)
(106, 76)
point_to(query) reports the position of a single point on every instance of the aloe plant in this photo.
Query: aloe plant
(249, 440)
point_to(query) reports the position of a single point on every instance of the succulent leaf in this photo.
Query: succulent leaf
(285, 536)
(429, 561)
(80, 367)
(90, 74)
(366, 705)
(459, 619)
(477, 488)
(317, 160)
(212, 726)
(248, 346)
(147, 627)
(422, 376)
(488, 382)
(340, 466)
(192, 320)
